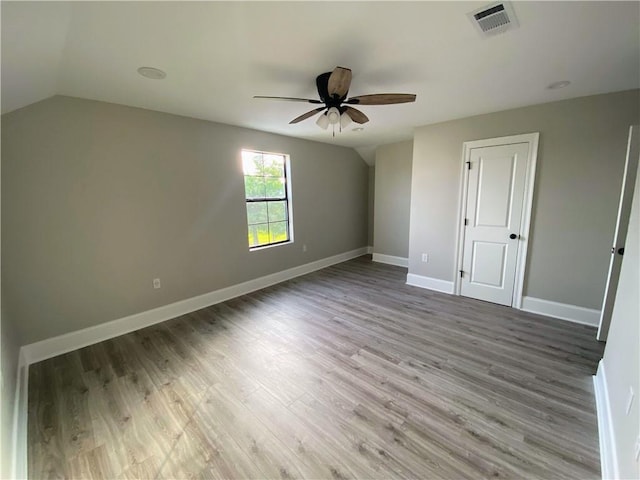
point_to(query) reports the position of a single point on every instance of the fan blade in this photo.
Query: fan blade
(304, 116)
(339, 82)
(382, 99)
(289, 99)
(356, 115)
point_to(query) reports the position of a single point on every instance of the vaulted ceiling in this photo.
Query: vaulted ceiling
(217, 55)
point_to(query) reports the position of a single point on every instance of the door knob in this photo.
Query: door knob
(513, 236)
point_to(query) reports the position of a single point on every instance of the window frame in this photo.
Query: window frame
(287, 199)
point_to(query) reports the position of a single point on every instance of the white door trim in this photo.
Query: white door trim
(532, 139)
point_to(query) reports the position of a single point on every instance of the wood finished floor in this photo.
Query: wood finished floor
(343, 373)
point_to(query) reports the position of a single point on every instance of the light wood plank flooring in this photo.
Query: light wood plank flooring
(343, 373)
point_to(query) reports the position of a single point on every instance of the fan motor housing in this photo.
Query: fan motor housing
(322, 82)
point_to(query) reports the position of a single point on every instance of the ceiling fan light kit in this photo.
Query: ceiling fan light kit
(333, 88)
(345, 120)
(333, 115)
(323, 121)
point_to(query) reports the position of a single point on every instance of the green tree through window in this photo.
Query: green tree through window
(266, 194)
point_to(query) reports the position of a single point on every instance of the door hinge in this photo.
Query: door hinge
(466, 222)
(461, 273)
(468, 165)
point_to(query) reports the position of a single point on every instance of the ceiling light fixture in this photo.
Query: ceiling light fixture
(333, 117)
(333, 90)
(345, 120)
(323, 121)
(358, 129)
(333, 114)
(557, 85)
(152, 73)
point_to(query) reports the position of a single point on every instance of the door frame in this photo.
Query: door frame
(532, 139)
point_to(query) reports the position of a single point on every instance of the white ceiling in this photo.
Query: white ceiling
(217, 55)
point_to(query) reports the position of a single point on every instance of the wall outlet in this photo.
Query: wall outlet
(630, 400)
(156, 283)
(304, 247)
(425, 258)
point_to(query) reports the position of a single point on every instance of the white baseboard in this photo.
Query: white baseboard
(563, 311)
(391, 260)
(51, 347)
(19, 427)
(369, 250)
(430, 283)
(608, 456)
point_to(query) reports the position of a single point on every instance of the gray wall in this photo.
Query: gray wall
(392, 199)
(98, 199)
(622, 354)
(580, 162)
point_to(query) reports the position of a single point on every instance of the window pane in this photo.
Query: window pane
(277, 211)
(274, 165)
(253, 235)
(254, 187)
(266, 184)
(252, 163)
(257, 213)
(258, 235)
(278, 232)
(275, 187)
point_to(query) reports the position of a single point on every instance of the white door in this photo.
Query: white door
(495, 197)
(624, 209)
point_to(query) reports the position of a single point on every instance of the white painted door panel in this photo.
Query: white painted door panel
(488, 261)
(495, 196)
(624, 210)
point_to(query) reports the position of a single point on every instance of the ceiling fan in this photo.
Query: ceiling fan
(333, 88)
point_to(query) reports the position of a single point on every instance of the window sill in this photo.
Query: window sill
(273, 245)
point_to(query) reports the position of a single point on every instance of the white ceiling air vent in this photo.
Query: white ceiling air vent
(493, 19)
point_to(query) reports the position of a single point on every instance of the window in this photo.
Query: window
(266, 188)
